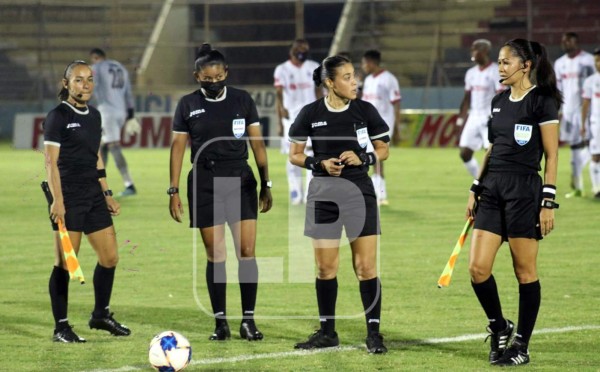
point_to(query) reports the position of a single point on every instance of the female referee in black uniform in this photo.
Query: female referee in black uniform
(221, 187)
(79, 196)
(513, 204)
(341, 193)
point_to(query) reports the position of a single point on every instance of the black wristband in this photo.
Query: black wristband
(312, 163)
(476, 188)
(130, 113)
(101, 173)
(549, 192)
(368, 158)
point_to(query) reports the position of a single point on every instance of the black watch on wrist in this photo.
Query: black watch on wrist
(550, 204)
(108, 192)
(268, 184)
(172, 191)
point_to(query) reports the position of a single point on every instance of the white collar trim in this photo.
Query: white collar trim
(87, 109)
(222, 98)
(510, 97)
(331, 109)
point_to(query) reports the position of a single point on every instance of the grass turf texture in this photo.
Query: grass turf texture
(154, 282)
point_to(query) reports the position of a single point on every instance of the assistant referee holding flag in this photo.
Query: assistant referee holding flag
(341, 194)
(219, 120)
(79, 196)
(514, 206)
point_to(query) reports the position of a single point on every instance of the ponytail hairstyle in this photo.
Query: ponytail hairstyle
(207, 56)
(541, 73)
(327, 69)
(63, 94)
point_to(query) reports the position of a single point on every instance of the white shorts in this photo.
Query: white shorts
(475, 132)
(595, 138)
(112, 123)
(570, 128)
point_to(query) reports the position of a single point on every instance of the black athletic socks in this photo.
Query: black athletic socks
(370, 294)
(58, 287)
(326, 299)
(216, 281)
(103, 284)
(487, 293)
(248, 278)
(530, 296)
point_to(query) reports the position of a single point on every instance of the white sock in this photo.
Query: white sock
(595, 176)
(294, 175)
(309, 177)
(579, 159)
(382, 189)
(472, 167)
(377, 184)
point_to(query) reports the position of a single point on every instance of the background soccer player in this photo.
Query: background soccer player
(381, 89)
(116, 105)
(341, 194)
(80, 197)
(591, 107)
(571, 70)
(514, 206)
(295, 89)
(217, 111)
(481, 84)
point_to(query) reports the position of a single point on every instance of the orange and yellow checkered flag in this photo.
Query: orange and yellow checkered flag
(69, 252)
(446, 276)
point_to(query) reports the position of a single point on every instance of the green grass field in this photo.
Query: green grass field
(154, 288)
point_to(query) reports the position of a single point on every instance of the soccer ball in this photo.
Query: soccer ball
(169, 352)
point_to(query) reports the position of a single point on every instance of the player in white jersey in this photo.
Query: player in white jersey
(482, 82)
(591, 106)
(381, 89)
(115, 102)
(571, 70)
(295, 89)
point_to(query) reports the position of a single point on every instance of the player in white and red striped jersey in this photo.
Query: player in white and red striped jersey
(571, 70)
(382, 90)
(591, 106)
(482, 82)
(295, 89)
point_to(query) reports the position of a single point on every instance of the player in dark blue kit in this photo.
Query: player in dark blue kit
(79, 196)
(221, 187)
(513, 203)
(341, 194)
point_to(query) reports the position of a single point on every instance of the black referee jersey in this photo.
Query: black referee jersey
(77, 132)
(335, 131)
(217, 127)
(514, 130)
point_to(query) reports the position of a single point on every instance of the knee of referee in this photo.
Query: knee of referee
(479, 273)
(327, 270)
(246, 251)
(109, 260)
(526, 274)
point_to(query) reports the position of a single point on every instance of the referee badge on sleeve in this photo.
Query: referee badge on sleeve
(362, 135)
(239, 127)
(523, 133)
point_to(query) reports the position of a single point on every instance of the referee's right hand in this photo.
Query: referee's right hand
(175, 207)
(470, 207)
(57, 211)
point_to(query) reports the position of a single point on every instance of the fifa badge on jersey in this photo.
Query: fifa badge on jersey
(362, 136)
(523, 133)
(239, 127)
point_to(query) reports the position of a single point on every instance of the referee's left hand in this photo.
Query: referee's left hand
(350, 158)
(113, 206)
(265, 201)
(546, 221)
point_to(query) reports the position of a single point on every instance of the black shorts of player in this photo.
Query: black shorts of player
(335, 202)
(225, 191)
(85, 206)
(509, 205)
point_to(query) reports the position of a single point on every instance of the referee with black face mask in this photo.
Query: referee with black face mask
(221, 187)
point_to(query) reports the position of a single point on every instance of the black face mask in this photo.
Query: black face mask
(301, 56)
(212, 89)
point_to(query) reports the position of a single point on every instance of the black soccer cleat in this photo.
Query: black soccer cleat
(67, 335)
(516, 355)
(249, 331)
(319, 340)
(109, 324)
(375, 344)
(221, 333)
(499, 341)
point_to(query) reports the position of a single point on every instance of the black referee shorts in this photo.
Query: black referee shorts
(510, 205)
(334, 203)
(224, 192)
(86, 208)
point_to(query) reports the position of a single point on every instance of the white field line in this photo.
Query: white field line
(285, 354)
